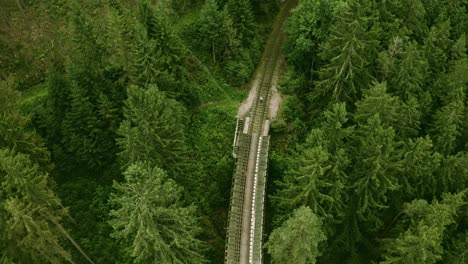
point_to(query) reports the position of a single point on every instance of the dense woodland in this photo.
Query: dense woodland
(117, 119)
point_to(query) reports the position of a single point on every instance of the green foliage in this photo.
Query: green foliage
(308, 26)
(419, 167)
(152, 130)
(83, 104)
(349, 52)
(298, 240)
(452, 173)
(400, 67)
(208, 140)
(15, 132)
(447, 125)
(411, 70)
(151, 219)
(316, 175)
(391, 110)
(243, 20)
(374, 178)
(30, 213)
(458, 251)
(213, 32)
(421, 242)
(435, 45)
(87, 200)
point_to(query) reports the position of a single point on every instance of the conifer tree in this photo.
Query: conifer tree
(458, 250)
(435, 46)
(392, 111)
(87, 103)
(30, 213)
(307, 27)
(374, 177)
(15, 132)
(298, 239)
(152, 130)
(317, 174)
(349, 51)
(421, 242)
(213, 32)
(243, 20)
(151, 220)
(452, 173)
(307, 183)
(411, 73)
(412, 15)
(159, 56)
(420, 165)
(447, 124)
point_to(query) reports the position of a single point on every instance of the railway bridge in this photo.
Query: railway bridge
(244, 235)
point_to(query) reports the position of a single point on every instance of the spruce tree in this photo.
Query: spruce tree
(349, 52)
(298, 239)
(457, 252)
(150, 219)
(243, 20)
(405, 119)
(435, 46)
(84, 104)
(152, 130)
(160, 57)
(317, 174)
(411, 72)
(420, 165)
(375, 173)
(30, 213)
(452, 173)
(307, 27)
(447, 125)
(421, 242)
(213, 33)
(15, 131)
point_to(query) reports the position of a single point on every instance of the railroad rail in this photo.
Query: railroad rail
(244, 234)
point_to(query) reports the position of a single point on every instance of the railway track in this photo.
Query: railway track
(244, 238)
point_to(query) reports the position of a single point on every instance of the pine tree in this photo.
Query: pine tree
(213, 32)
(392, 111)
(79, 127)
(419, 166)
(412, 15)
(159, 56)
(298, 239)
(317, 174)
(151, 220)
(452, 173)
(307, 27)
(349, 51)
(447, 125)
(31, 211)
(15, 132)
(335, 127)
(243, 20)
(374, 178)
(458, 250)
(307, 182)
(411, 73)
(421, 242)
(435, 46)
(152, 130)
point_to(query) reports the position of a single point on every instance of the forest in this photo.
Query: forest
(117, 119)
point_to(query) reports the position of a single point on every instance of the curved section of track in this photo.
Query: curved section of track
(244, 238)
